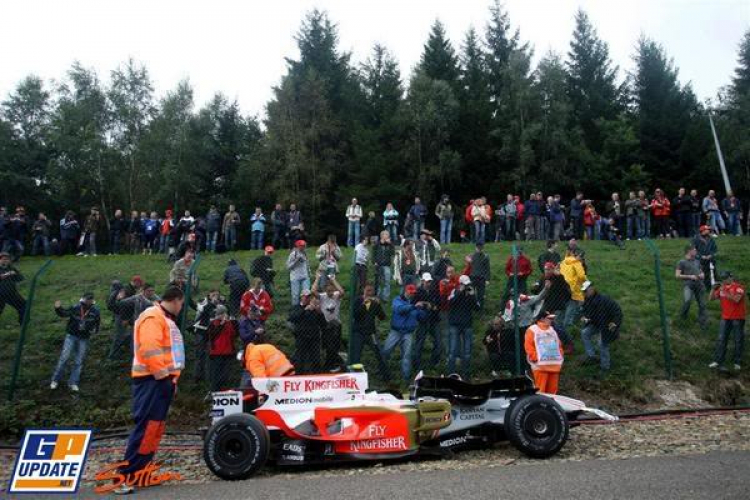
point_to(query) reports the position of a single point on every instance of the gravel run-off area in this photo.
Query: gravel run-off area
(612, 441)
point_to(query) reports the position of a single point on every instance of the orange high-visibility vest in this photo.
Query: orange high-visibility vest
(543, 349)
(264, 360)
(158, 347)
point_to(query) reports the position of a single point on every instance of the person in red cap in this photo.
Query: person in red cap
(406, 316)
(544, 353)
(262, 267)
(299, 270)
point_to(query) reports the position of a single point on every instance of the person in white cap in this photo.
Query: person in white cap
(429, 294)
(544, 353)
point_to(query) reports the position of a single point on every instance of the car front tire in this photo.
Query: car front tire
(236, 447)
(537, 426)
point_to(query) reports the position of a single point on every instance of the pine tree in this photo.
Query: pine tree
(592, 80)
(663, 109)
(439, 60)
(741, 81)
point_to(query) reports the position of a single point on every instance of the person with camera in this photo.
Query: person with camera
(406, 316)
(299, 271)
(732, 297)
(428, 293)
(706, 249)
(330, 305)
(84, 320)
(309, 325)
(368, 310)
(689, 272)
(462, 304)
(600, 316)
(328, 255)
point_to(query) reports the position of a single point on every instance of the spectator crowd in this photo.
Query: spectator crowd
(431, 318)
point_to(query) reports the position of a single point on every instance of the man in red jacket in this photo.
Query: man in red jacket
(521, 268)
(731, 294)
(258, 297)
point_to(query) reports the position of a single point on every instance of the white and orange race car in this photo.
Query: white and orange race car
(325, 418)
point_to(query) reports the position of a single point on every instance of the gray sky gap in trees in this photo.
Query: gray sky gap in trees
(238, 47)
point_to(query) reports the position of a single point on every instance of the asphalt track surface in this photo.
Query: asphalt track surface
(712, 476)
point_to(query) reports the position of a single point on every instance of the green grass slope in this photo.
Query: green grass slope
(626, 275)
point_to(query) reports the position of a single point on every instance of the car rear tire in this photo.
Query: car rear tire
(236, 447)
(536, 425)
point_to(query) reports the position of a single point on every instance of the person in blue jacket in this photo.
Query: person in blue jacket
(406, 316)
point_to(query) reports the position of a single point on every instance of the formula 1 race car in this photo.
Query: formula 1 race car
(326, 418)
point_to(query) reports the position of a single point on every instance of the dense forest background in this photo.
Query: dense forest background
(474, 117)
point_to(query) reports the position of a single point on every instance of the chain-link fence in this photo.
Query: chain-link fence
(479, 312)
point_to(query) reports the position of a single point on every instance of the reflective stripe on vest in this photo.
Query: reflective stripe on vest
(547, 347)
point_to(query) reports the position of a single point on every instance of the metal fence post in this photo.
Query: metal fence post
(662, 308)
(188, 292)
(352, 301)
(516, 332)
(24, 329)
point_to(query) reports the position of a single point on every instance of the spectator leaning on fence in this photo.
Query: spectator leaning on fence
(9, 279)
(544, 353)
(690, 273)
(83, 321)
(732, 296)
(600, 316)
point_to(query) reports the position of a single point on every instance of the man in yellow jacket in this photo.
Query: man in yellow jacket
(575, 275)
(544, 353)
(158, 360)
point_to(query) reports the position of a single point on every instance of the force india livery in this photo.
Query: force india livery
(322, 418)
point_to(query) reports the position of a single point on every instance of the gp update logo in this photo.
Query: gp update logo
(50, 461)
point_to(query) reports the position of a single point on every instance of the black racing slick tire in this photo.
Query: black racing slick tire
(536, 425)
(236, 447)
